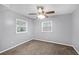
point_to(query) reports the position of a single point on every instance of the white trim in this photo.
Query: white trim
(22, 26)
(59, 43)
(54, 42)
(75, 49)
(40, 40)
(42, 23)
(15, 46)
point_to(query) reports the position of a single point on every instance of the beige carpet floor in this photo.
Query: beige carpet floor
(36, 47)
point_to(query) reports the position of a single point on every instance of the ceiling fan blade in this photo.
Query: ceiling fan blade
(32, 14)
(49, 12)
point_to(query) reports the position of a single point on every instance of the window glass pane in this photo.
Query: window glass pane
(21, 29)
(46, 24)
(21, 23)
(46, 28)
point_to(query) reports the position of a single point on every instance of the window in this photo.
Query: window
(21, 26)
(46, 26)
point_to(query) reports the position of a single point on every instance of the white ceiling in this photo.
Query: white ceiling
(31, 8)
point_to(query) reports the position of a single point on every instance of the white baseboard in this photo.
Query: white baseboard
(59, 43)
(15, 46)
(40, 40)
(54, 42)
(76, 50)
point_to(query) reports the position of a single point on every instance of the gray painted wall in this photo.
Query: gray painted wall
(62, 29)
(75, 35)
(63, 32)
(8, 36)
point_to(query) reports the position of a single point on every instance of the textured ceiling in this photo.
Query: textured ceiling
(31, 8)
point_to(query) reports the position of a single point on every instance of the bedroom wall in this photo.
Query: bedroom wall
(1, 25)
(75, 35)
(62, 29)
(8, 36)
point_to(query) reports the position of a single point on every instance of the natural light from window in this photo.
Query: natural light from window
(46, 26)
(21, 26)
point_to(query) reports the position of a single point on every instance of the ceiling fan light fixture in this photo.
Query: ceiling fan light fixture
(40, 10)
(41, 16)
(41, 13)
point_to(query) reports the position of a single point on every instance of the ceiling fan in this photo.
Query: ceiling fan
(41, 13)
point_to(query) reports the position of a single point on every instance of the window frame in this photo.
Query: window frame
(22, 26)
(42, 26)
